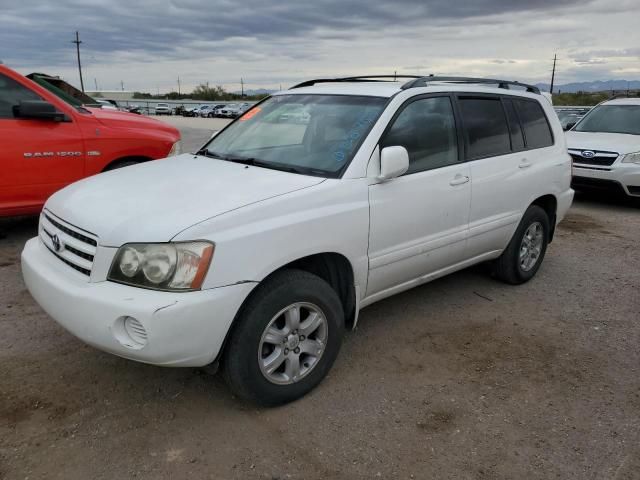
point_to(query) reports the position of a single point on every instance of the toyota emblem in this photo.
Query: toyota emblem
(588, 154)
(57, 244)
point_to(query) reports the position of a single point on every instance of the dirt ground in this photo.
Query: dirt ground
(462, 378)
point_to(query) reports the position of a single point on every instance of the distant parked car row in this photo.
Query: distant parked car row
(228, 110)
(569, 116)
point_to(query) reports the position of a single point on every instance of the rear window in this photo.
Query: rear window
(537, 132)
(486, 127)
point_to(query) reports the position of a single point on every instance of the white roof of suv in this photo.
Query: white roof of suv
(389, 88)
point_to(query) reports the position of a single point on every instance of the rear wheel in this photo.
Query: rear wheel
(285, 340)
(523, 256)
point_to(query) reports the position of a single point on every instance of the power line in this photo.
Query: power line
(78, 42)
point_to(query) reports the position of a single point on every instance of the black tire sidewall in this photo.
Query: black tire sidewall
(532, 215)
(241, 354)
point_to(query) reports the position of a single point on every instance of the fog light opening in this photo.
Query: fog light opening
(130, 332)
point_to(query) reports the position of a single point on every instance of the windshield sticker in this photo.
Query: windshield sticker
(354, 135)
(250, 114)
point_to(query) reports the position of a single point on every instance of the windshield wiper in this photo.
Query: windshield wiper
(255, 162)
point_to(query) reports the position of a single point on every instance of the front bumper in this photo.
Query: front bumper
(184, 329)
(626, 175)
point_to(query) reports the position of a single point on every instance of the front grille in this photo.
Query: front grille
(73, 246)
(600, 158)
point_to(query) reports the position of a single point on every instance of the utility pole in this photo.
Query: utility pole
(78, 42)
(241, 87)
(121, 85)
(178, 85)
(95, 80)
(553, 73)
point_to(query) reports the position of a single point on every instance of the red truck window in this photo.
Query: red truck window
(12, 93)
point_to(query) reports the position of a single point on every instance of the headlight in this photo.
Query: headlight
(162, 266)
(632, 158)
(176, 149)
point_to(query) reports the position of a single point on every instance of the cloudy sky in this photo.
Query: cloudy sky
(148, 44)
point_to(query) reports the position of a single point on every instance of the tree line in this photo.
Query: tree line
(201, 92)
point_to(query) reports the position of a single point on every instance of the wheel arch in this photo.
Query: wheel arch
(132, 158)
(549, 203)
(332, 267)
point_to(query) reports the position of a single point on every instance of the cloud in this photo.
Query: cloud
(148, 43)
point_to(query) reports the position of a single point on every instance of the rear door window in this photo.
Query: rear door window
(485, 125)
(537, 132)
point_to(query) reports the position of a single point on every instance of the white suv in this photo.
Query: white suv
(605, 147)
(258, 250)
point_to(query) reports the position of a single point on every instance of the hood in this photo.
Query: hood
(154, 201)
(608, 142)
(118, 119)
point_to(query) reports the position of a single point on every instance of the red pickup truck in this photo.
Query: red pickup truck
(48, 140)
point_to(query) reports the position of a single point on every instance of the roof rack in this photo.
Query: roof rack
(362, 78)
(424, 82)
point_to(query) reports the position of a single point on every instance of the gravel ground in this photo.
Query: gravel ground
(463, 378)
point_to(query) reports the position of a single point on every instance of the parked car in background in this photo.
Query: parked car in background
(50, 141)
(569, 116)
(605, 147)
(214, 111)
(163, 109)
(192, 111)
(133, 109)
(106, 104)
(179, 110)
(231, 110)
(290, 229)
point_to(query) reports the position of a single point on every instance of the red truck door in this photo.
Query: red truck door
(37, 157)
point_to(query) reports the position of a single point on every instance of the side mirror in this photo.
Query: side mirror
(38, 109)
(394, 161)
(569, 126)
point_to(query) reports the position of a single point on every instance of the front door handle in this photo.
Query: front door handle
(524, 163)
(459, 180)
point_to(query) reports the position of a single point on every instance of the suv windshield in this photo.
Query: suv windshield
(309, 134)
(612, 119)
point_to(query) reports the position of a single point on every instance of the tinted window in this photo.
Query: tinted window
(486, 127)
(427, 129)
(612, 119)
(12, 93)
(517, 140)
(537, 132)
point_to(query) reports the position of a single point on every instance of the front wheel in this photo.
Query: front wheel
(285, 339)
(523, 256)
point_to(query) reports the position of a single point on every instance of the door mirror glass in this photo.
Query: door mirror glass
(394, 161)
(38, 109)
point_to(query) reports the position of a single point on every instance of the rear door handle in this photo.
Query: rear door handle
(524, 163)
(459, 180)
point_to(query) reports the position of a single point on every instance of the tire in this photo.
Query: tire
(514, 266)
(268, 307)
(121, 164)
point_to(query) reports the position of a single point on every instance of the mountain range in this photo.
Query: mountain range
(594, 86)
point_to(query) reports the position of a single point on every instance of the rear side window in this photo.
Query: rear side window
(486, 127)
(537, 132)
(11, 94)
